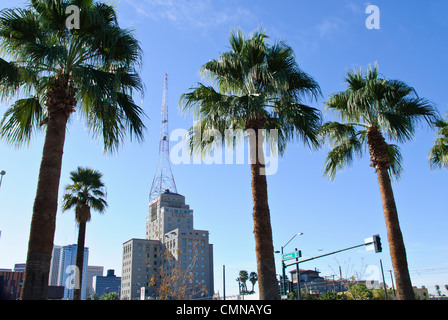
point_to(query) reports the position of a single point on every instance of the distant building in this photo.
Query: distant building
(67, 269)
(109, 283)
(311, 281)
(54, 266)
(11, 283)
(315, 284)
(93, 271)
(19, 267)
(421, 293)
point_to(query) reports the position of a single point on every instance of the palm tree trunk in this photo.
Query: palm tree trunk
(79, 260)
(380, 160)
(267, 282)
(43, 223)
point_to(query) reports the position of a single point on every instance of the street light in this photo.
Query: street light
(2, 173)
(283, 263)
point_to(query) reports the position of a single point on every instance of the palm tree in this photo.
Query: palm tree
(253, 278)
(438, 156)
(372, 108)
(256, 88)
(242, 279)
(86, 192)
(54, 71)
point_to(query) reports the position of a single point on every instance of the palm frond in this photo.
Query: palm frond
(342, 156)
(21, 120)
(438, 155)
(346, 142)
(396, 160)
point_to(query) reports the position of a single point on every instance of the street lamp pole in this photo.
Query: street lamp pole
(299, 297)
(283, 262)
(2, 173)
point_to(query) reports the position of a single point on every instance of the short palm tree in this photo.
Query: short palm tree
(242, 279)
(256, 88)
(86, 192)
(438, 156)
(253, 278)
(373, 108)
(50, 71)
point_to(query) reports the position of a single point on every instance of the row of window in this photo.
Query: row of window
(178, 210)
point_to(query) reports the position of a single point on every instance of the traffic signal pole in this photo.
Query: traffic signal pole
(375, 241)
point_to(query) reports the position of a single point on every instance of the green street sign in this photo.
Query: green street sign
(292, 255)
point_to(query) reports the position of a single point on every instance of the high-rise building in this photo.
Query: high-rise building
(172, 247)
(54, 266)
(67, 271)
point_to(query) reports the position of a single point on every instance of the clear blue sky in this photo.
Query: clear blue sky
(328, 38)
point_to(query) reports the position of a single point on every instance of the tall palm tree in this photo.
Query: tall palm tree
(51, 71)
(438, 156)
(373, 108)
(255, 87)
(86, 192)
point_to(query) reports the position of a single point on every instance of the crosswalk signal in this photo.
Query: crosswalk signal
(377, 243)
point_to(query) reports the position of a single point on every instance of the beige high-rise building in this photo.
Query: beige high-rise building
(172, 246)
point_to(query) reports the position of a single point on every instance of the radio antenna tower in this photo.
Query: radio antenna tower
(163, 179)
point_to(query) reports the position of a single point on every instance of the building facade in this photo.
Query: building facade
(11, 283)
(172, 246)
(93, 271)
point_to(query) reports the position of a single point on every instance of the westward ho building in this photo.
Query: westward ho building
(174, 256)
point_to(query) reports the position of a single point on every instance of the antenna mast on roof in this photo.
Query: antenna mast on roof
(163, 179)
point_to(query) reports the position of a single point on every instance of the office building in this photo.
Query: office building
(171, 244)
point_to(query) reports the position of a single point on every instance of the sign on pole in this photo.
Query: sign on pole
(292, 255)
(369, 244)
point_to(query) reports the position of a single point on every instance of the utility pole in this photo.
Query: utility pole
(299, 297)
(340, 277)
(392, 279)
(224, 281)
(384, 282)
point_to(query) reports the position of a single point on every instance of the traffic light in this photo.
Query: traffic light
(377, 243)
